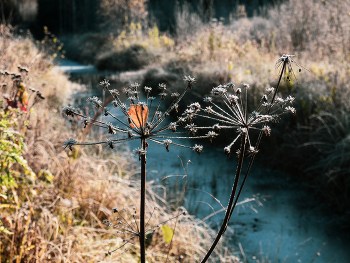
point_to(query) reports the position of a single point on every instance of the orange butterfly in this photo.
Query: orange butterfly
(138, 114)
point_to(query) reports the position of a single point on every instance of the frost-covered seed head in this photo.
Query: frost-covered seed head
(104, 84)
(172, 126)
(245, 85)
(167, 143)
(290, 109)
(162, 86)
(109, 143)
(267, 130)
(227, 151)
(148, 89)
(175, 95)
(69, 143)
(68, 110)
(198, 148)
(264, 98)
(208, 99)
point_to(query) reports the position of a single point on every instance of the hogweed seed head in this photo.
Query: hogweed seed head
(69, 143)
(136, 121)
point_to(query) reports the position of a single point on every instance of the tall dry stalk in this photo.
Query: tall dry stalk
(237, 118)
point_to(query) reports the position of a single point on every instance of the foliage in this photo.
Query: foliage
(118, 14)
(11, 152)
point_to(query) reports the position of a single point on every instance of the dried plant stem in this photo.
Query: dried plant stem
(24, 240)
(232, 197)
(142, 204)
(233, 202)
(260, 136)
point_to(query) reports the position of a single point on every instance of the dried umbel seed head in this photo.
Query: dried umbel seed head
(264, 98)
(192, 128)
(163, 95)
(218, 90)
(162, 86)
(267, 130)
(172, 126)
(140, 152)
(233, 99)
(68, 110)
(104, 84)
(195, 106)
(181, 121)
(198, 148)
(109, 143)
(115, 103)
(175, 95)
(69, 143)
(227, 150)
(238, 91)
(110, 128)
(270, 90)
(22, 69)
(290, 109)
(95, 101)
(208, 99)
(211, 135)
(85, 122)
(167, 143)
(176, 107)
(217, 127)
(279, 100)
(134, 86)
(114, 92)
(39, 95)
(289, 99)
(245, 85)
(190, 80)
(252, 150)
(230, 85)
(147, 90)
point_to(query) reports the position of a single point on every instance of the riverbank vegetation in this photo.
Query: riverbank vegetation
(54, 202)
(312, 145)
(54, 206)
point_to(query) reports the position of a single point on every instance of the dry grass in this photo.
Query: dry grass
(58, 216)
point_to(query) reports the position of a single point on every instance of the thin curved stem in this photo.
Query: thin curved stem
(230, 204)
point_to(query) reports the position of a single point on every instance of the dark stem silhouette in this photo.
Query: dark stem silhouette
(233, 202)
(142, 204)
(232, 197)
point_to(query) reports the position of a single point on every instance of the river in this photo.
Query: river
(277, 219)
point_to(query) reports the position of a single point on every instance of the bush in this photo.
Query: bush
(132, 58)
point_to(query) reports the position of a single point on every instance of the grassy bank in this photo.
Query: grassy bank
(55, 201)
(313, 145)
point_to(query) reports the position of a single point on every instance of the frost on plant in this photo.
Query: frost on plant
(138, 122)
